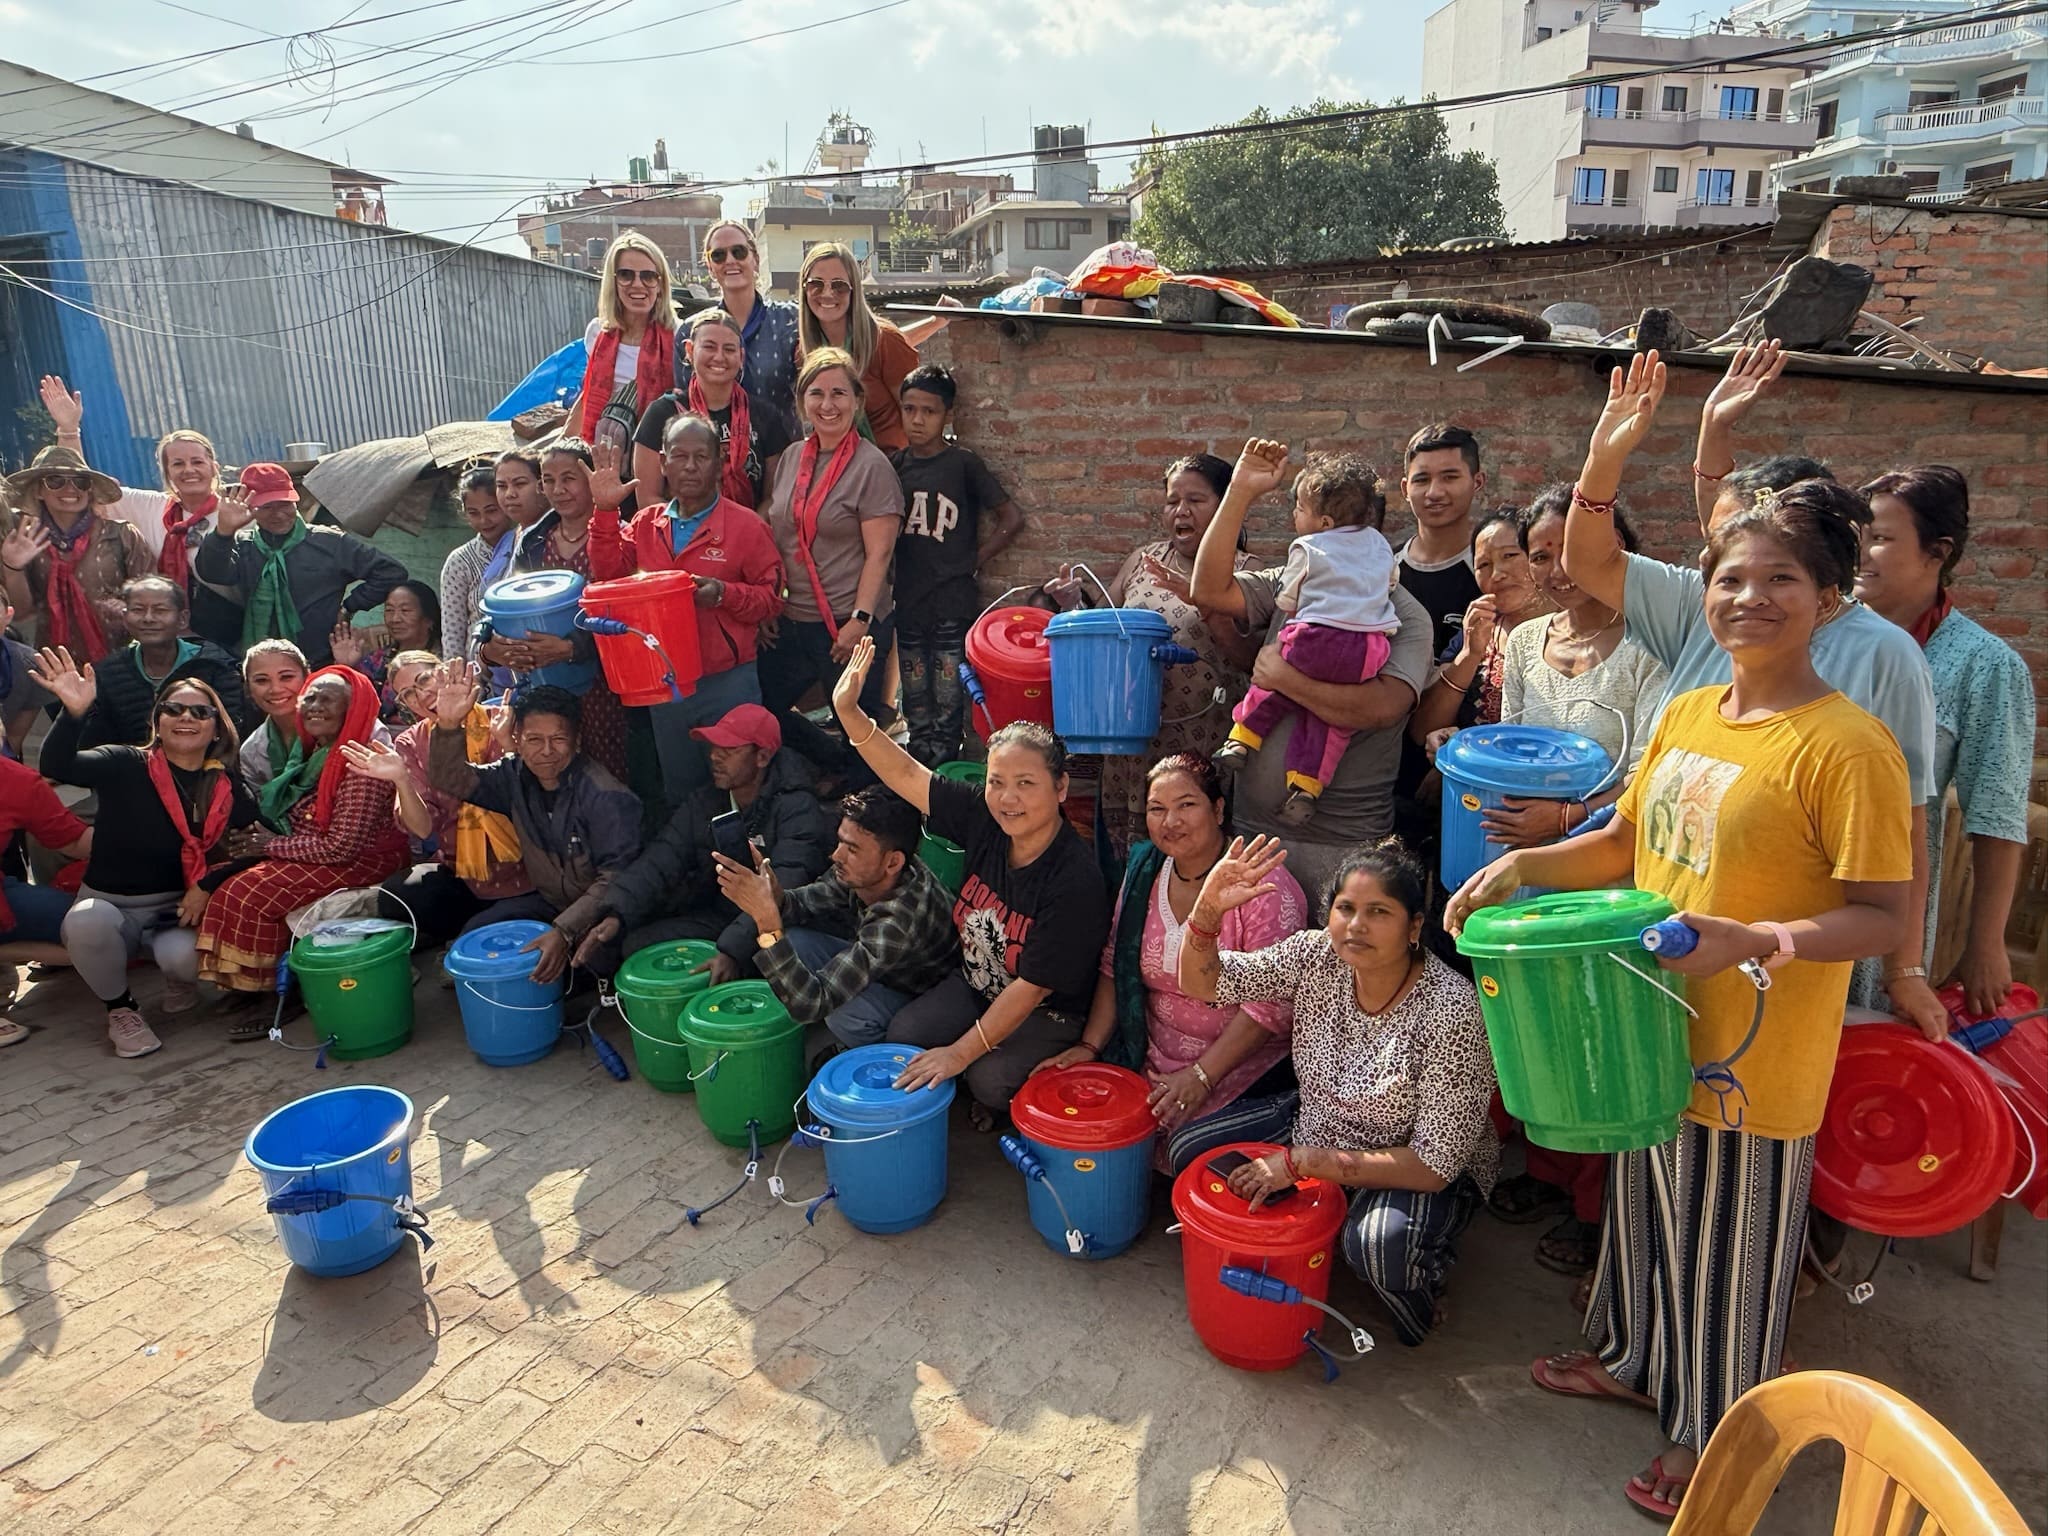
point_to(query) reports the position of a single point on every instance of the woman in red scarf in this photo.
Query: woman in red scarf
(632, 343)
(834, 506)
(334, 832)
(753, 429)
(64, 564)
(161, 845)
(192, 490)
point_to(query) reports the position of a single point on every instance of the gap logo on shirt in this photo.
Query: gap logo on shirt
(919, 520)
(1683, 804)
(991, 936)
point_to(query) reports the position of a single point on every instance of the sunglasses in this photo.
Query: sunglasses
(67, 482)
(836, 287)
(638, 275)
(722, 253)
(180, 711)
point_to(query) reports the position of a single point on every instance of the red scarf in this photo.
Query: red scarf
(733, 483)
(654, 377)
(192, 848)
(175, 560)
(1922, 629)
(73, 620)
(356, 725)
(807, 508)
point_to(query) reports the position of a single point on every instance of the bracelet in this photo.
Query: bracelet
(1207, 935)
(873, 726)
(1585, 504)
(1701, 474)
(1564, 822)
(1287, 1159)
(1905, 971)
(1208, 1086)
(1090, 1047)
(987, 1049)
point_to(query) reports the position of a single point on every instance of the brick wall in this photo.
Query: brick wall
(1080, 421)
(1704, 279)
(1977, 279)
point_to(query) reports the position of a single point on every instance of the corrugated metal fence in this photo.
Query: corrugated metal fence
(260, 325)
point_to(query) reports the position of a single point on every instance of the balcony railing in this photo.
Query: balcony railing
(908, 261)
(1970, 40)
(1961, 114)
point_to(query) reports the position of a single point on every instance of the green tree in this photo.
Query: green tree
(1317, 194)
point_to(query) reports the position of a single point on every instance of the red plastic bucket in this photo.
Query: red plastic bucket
(1916, 1139)
(658, 661)
(1007, 649)
(2018, 1065)
(1291, 1241)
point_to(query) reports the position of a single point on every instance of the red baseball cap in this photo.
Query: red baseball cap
(744, 725)
(266, 483)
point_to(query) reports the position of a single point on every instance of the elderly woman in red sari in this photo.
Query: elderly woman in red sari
(332, 830)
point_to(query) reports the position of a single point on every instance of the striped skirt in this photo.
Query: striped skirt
(243, 934)
(1699, 1254)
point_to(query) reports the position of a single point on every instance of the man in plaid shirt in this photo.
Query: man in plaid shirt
(852, 948)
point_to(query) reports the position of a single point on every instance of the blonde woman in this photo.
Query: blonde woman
(834, 313)
(191, 474)
(767, 326)
(632, 342)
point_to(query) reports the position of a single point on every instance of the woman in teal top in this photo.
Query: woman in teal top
(1983, 705)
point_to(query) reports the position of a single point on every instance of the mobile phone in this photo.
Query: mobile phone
(1224, 1164)
(729, 837)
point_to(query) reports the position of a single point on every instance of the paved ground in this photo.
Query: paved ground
(574, 1356)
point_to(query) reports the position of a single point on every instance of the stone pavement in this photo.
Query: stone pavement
(574, 1356)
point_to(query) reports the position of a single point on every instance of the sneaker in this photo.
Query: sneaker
(130, 1034)
(1298, 809)
(179, 996)
(1231, 756)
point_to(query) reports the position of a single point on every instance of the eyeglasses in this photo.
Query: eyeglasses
(838, 287)
(724, 253)
(66, 483)
(638, 275)
(179, 711)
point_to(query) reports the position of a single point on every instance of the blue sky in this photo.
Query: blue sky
(929, 77)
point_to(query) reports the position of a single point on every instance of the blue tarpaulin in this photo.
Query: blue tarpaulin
(554, 382)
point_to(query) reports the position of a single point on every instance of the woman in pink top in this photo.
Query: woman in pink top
(1203, 1058)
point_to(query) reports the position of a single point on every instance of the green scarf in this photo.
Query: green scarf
(270, 613)
(1126, 1047)
(292, 782)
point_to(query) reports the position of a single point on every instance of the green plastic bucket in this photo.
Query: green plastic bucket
(947, 860)
(359, 994)
(653, 986)
(1591, 1050)
(746, 1059)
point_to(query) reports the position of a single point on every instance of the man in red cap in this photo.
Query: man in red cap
(768, 799)
(293, 582)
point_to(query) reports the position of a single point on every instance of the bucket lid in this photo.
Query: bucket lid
(667, 971)
(857, 1087)
(1916, 1141)
(537, 592)
(1525, 759)
(1089, 1106)
(494, 953)
(1140, 624)
(962, 773)
(1011, 640)
(646, 586)
(385, 942)
(738, 1013)
(1203, 1201)
(1564, 922)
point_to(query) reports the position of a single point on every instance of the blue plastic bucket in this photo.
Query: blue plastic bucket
(542, 603)
(885, 1147)
(1084, 1145)
(1486, 764)
(509, 1017)
(350, 1150)
(1106, 667)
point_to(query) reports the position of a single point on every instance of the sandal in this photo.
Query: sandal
(1570, 1247)
(1641, 1490)
(1525, 1198)
(12, 1033)
(253, 1025)
(980, 1116)
(1580, 1374)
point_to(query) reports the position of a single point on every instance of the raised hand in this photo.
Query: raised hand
(1751, 373)
(457, 691)
(607, 491)
(61, 677)
(25, 545)
(1633, 396)
(66, 407)
(1167, 577)
(1261, 467)
(346, 643)
(234, 512)
(377, 760)
(1244, 872)
(846, 692)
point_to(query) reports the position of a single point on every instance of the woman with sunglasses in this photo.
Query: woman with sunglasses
(752, 429)
(767, 326)
(835, 313)
(154, 865)
(632, 342)
(63, 564)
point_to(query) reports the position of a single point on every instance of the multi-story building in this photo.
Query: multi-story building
(1676, 136)
(572, 229)
(1062, 218)
(1954, 109)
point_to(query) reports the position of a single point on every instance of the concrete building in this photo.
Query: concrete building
(43, 112)
(1060, 220)
(573, 229)
(1687, 141)
(1954, 109)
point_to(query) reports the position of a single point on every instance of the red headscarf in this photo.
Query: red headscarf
(357, 725)
(733, 483)
(174, 560)
(653, 378)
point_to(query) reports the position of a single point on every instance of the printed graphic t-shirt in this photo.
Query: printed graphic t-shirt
(1766, 820)
(1044, 922)
(940, 545)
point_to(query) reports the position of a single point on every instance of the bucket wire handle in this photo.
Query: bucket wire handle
(1115, 612)
(554, 1007)
(711, 1068)
(1676, 997)
(2007, 1086)
(1620, 758)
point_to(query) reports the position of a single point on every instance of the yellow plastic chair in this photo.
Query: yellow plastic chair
(1903, 1474)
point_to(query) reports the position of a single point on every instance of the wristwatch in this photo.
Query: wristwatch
(769, 939)
(1786, 949)
(860, 616)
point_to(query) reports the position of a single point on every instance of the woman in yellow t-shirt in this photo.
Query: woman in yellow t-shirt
(1775, 815)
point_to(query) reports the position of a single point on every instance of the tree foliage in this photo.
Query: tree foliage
(1325, 193)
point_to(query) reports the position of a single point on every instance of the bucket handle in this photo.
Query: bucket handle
(608, 997)
(554, 1007)
(711, 1070)
(2007, 1085)
(1653, 981)
(1116, 612)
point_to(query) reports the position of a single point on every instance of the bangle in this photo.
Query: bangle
(1905, 971)
(1196, 930)
(1586, 504)
(1208, 1084)
(1287, 1158)
(1089, 1046)
(1701, 474)
(987, 1049)
(873, 726)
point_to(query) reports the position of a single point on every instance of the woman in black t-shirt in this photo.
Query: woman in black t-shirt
(753, 428)
(1032, 912)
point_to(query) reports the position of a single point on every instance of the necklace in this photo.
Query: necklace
(1365, 1007)
(1570, 636)
(1174, 865)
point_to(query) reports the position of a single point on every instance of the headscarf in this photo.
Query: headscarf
(733, 482)
(320, 769)
(174, 560)
(271, 613)
(651, 379)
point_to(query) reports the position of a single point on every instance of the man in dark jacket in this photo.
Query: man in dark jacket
(578, 826)
(671, 891)
(155, 611)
